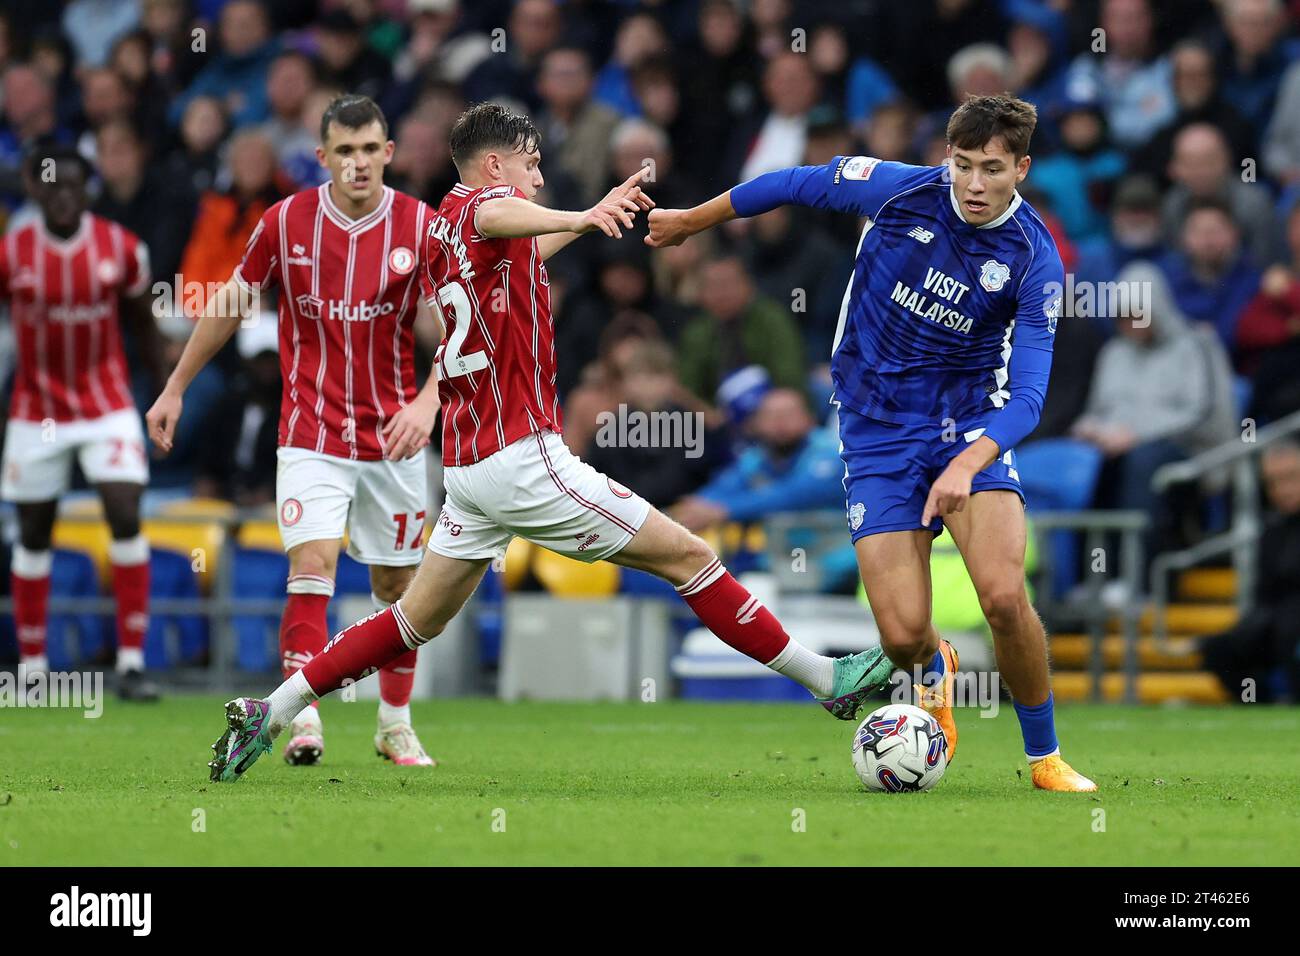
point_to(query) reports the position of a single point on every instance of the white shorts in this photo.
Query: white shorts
(380, 504)
(539, 490)
(38, 455)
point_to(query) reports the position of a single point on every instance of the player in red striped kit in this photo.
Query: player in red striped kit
(345, 258)
(70, 278)
(507, 470)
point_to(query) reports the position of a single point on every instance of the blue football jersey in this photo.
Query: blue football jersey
(935, 306)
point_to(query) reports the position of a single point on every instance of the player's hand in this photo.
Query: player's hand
(630, 188)
(1117, 440)
(407, 433)
(607, 215)
(667, 228)
(161, 420)
(948, 494)
(696, 514)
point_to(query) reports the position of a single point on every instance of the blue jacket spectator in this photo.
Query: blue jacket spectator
(1253, 54)
(1134, 85)
(1078, 177)
(237, 75)
(93, 26)
(1212, 278)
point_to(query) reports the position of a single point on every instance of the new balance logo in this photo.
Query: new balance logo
(921, 235)
(748, 611)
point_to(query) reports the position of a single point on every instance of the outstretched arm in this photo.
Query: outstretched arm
(630, 188)
(854, 184)
(513, 217)
(220, 320)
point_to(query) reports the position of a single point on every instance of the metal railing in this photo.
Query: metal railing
(1237, 456)
(814, 529)
(1095, 527)
(220, 607)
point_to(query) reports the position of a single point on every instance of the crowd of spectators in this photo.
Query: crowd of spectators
(1168, 149)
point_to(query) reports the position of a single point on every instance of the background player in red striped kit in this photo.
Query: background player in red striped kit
(507, 471)
(70, 277)
(345, 258)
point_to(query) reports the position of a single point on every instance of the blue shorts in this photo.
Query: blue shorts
(888, 471)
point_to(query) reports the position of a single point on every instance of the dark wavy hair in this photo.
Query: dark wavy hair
(1001, 116)
(491, 126)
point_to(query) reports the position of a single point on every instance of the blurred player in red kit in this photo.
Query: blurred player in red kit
(507, 470)
(346, 259)
(70, 279)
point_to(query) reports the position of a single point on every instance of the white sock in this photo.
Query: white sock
(308, 719)
(288, 700)
(31, 663)
(814, 671)
(390, 714)
(130, 659)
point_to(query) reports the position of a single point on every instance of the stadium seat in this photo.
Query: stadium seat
(258, 573)
(519, 558)
(352, 577)
(73, 639)
(488, 614)
(565, 577)
(85, 537)
(1060, 474)
(1243, 390)
(213, 508)
(200, 543)
(260, 536)
(171, 575)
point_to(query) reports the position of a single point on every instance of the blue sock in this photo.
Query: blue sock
(933, 672)
(1038, 728)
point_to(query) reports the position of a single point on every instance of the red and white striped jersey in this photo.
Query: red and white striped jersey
(497, 361)
(64, 302)
(349, 290)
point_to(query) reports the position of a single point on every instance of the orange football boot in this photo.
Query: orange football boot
(937, 701)
(1053, 773)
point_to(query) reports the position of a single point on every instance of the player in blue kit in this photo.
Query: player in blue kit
(940, 366)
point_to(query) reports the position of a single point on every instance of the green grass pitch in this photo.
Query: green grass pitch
(663, 783)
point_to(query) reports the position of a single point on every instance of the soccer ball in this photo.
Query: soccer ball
(900, 748)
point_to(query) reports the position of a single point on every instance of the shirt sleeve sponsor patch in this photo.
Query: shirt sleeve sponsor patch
(857, 167)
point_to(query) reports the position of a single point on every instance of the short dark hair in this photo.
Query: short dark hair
(491, 126)
(352, 111)
(984, 118)
(57, 153)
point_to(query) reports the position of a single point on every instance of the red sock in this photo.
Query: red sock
(131, 589)
(727, 609)
(358, 650)
(396, 679)
(30, 581)
(304, 630)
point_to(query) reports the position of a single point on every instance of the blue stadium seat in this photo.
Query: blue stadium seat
(489, 616)
(72, 639)
(1243, 390)
(258, 574)
(1060, 474)
(171, 575)
(353, 577)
